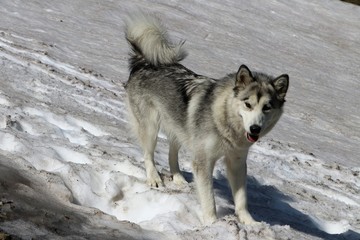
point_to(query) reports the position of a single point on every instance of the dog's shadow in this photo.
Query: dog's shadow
(268, 204)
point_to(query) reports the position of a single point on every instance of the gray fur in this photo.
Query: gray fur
(210, 117)
(147, 34)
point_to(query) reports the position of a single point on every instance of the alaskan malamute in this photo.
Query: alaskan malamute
(211, 117)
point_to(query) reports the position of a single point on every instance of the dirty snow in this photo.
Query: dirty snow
(70, 169)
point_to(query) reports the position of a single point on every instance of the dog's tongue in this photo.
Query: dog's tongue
(252, 138)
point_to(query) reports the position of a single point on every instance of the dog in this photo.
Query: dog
(213, 118)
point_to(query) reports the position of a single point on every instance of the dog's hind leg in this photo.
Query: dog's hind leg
(148, 129)
(174, 147)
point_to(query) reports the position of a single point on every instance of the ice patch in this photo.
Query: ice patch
(146, 206)
(69, 155)
(87, 126)
(331, 227)
(76, 138)
(4, 101)
(9, 143)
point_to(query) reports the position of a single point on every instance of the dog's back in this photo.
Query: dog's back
(158, 85)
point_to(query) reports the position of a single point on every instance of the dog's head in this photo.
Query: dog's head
(260, 99)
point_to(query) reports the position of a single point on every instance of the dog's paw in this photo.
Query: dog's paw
(207, 221)
(154, 180)
(155, 183)
(179, 179)
(246, 218)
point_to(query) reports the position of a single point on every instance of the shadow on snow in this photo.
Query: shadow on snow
(268, 204)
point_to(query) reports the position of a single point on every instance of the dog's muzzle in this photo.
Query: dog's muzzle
(253, 136)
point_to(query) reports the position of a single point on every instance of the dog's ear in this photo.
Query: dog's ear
(281, 85)
(243, 77)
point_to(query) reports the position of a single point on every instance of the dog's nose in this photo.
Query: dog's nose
(255, 129)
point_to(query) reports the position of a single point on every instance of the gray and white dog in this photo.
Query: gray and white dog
(211, 117)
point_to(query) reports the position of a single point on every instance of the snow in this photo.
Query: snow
(70, 168)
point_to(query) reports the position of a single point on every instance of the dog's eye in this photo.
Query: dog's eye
(266, 108)
(248, 105)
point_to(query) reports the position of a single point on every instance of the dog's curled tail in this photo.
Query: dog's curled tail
(150, 41)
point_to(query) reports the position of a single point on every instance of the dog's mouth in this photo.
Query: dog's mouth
(251, 137)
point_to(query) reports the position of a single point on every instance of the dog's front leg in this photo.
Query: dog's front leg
(203, 169)
(237, 172)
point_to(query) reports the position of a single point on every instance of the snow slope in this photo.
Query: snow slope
(70, 169)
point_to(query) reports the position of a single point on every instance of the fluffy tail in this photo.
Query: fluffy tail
(150, 41)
